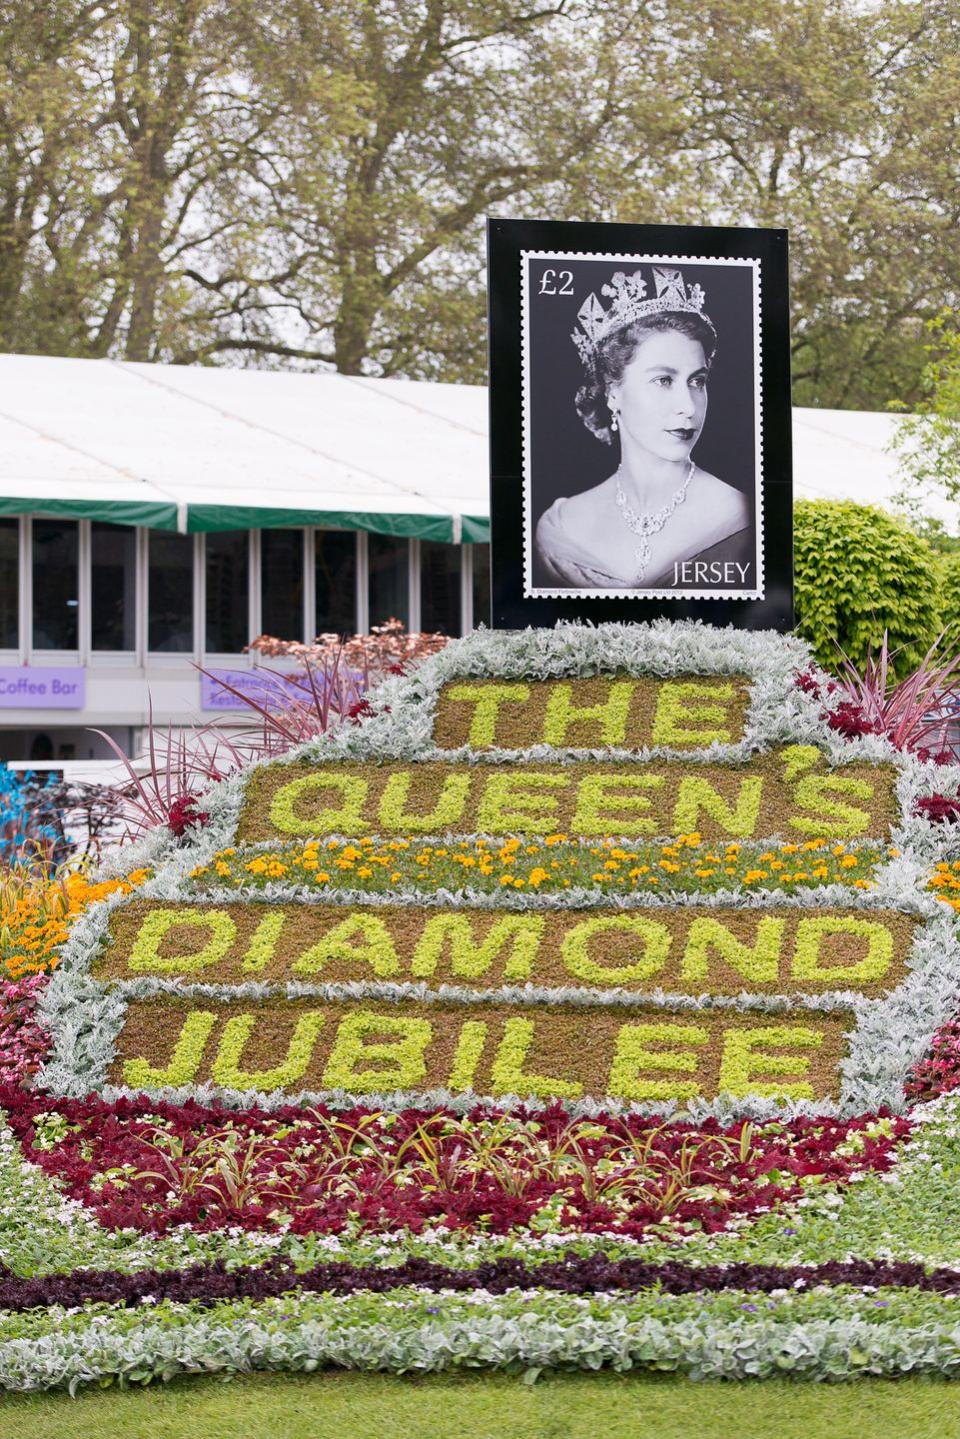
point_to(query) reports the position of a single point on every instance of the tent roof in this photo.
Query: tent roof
(196, 448)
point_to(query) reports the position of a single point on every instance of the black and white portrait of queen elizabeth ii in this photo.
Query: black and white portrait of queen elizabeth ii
(670, 502)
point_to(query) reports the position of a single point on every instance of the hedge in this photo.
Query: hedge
(860, 571)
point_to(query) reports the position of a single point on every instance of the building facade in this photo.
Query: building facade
(101, 621)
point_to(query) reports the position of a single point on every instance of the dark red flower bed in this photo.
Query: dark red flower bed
(567, 1274)
(153, 1166)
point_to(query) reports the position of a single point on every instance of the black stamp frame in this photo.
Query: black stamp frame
(506, 240)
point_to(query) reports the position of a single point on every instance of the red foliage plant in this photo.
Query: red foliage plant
(939, 1071)
(23, 1042)
(851, 720)
(153, 1166)
(185, 814)
(938, 809)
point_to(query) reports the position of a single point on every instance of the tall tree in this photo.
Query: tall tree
(460, 107)
(47, 115)
(278, 182)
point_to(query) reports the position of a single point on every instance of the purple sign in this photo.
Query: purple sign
(261, 686)
(30, 687)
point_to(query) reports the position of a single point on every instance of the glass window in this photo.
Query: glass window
(9, 584)
(113, 587)
(55, 575)
(228, 614)
(389, 565)
(281, 584)
(439, 588)
(170, 593)
(481, 585)
(335, 568)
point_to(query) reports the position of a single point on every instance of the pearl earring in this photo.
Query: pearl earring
(615, 418)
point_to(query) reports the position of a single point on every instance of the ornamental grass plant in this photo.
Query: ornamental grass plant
(327, 687)
(918, 713)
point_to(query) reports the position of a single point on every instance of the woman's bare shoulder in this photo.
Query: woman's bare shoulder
(725, 501)
(572, 519)
(585, 512)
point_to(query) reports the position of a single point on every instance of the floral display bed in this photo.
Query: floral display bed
(590, 998)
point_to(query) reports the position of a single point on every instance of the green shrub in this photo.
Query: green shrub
(950, 596)
(859, 571)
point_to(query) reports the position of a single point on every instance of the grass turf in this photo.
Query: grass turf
(368, 1406)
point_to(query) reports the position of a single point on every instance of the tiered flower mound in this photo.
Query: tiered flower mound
(567, 1008)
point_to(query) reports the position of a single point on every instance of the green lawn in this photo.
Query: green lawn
(606, 1406)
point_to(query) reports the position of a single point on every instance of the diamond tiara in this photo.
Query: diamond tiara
(628, 304)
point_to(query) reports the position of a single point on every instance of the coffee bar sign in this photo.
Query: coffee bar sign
(30, 687)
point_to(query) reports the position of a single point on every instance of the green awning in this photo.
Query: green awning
(204, 448)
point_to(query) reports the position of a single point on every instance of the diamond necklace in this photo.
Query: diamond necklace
(646, 525)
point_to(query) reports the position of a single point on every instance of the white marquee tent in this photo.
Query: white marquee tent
(217, 449)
